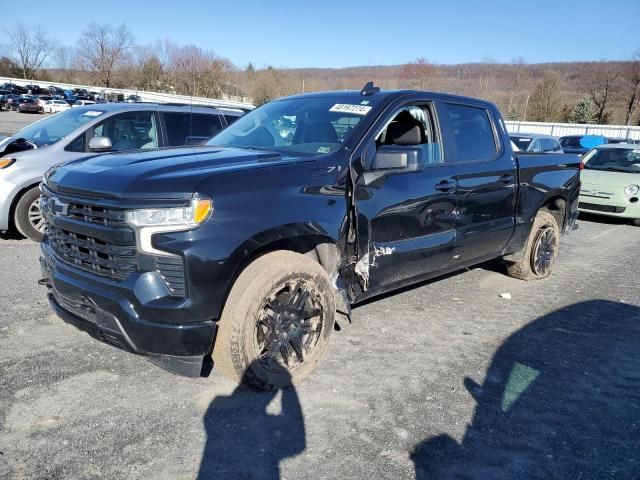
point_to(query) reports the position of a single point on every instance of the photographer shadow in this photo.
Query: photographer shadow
(561, 400)
(245, 440)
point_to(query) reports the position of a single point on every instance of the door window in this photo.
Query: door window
(536, 146)
(412, 126)
(471, 131)
(190, 129)
(128, 131)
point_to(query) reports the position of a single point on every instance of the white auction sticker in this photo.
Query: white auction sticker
(92, 113)
(347, 108)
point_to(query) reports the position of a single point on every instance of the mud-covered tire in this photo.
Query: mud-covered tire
(542, 247)
(26, 213)
(243, 333)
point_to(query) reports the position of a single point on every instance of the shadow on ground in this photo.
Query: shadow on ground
(245, 441)
(561, 400)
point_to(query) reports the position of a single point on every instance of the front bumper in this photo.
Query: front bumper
(8, 192)
(121, 314)
(610, 207)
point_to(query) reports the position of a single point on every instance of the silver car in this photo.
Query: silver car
(80, 131)
(536, 143)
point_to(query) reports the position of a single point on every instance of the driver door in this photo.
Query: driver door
(405, 219)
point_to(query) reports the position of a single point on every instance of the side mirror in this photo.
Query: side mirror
(397, 158)
(100, 144)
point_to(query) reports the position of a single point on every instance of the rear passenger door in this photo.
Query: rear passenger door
(185, 128)
(486, 177)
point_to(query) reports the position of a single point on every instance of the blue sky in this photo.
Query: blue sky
(332, 33)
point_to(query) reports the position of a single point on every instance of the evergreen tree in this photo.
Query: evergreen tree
(583, 112)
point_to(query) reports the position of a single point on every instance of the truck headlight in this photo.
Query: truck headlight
(146, 222)
(631, 190)
(181, 217)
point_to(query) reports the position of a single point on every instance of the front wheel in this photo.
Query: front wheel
(27, 217)
(276, 323)
(636, 222)
(541, 250)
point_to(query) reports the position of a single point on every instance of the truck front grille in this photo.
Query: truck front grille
(92, 254)
(601, 208)
(96, 238)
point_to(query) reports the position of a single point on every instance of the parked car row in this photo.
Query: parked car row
(578, 144)
(11, 95)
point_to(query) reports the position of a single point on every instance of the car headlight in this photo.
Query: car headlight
(631, 190)
(149, 221)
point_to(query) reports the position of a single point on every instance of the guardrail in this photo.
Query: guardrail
(146, 96)
(561, 129)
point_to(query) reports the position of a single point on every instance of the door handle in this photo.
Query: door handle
(445, 186)
(508, 178)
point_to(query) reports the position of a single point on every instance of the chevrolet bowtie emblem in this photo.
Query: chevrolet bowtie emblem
(58, 207)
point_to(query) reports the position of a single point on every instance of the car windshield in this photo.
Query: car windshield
(521, 142)
(614, 159)
(52, 129)
(311, 125)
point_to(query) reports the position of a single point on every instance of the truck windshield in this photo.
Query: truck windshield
(52, 129)
(312, 125)
(615, 159)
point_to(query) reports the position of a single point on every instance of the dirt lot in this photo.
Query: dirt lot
(445, 380)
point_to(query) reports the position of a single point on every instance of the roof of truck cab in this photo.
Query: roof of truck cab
(387, 94)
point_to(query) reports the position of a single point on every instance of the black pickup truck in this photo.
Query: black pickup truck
(248, 251)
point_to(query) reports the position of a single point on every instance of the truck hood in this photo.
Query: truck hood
(161, 174)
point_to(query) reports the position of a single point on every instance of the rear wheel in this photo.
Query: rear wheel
(276, 323)
(541, 250)
(27, 217)
(636, 222)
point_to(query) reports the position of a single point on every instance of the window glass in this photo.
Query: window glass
(51, 129)
(128, 131)
(77, 145)
(411, 127)
(521, 142)
(536, 146)
(204, 126)
(297, 125)
(549, 144)
(472, 133)
(190, 129)
(231, 118)
(613, 159)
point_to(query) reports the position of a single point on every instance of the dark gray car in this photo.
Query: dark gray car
(77, 132)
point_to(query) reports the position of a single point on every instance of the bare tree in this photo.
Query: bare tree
(31, 47)
(417, 73)
(545, 102)
(632, 88)
(601, 90)
(103, 49)
(65, 59)
(518, 67)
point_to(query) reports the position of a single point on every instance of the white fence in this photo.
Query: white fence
(144, 95)
(561, 129)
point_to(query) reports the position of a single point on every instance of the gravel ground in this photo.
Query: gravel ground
(444, 380)
(11, 122)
